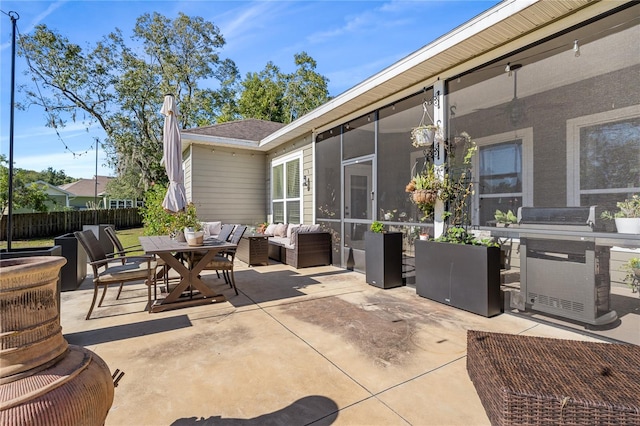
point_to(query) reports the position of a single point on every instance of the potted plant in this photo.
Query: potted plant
(632, 277)
(383, 256)
(423, 135)
(627, 218)
(505, 219)
(185, 221)
(425, 189)
(457, 268)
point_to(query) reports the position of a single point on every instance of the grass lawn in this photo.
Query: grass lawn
(128, 237)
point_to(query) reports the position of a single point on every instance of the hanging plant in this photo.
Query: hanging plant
(424, 134)
(425, 188)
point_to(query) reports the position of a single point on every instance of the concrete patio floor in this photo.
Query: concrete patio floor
(311, 346)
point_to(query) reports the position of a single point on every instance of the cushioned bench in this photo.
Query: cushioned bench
(524, 380)
(300, 246)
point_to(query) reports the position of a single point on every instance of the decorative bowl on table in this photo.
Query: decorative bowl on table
(194, 238)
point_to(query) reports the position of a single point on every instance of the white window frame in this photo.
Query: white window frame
(574, 126)
(526, 136)
(282, 161)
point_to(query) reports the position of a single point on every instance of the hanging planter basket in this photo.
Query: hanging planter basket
(423, 136)
(424, 196)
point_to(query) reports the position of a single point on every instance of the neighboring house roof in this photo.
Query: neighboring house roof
(52, 189)
(87, 187)
(241, 133)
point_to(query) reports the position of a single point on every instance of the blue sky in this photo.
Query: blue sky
(350, 40)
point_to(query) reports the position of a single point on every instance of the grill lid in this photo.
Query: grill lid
(582, 217)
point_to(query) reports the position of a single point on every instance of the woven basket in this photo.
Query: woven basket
(424, 196)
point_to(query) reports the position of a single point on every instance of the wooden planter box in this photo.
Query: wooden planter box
(462, 276)
(383, 259)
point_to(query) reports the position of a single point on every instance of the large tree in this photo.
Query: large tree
(26, 193)
(277, 96)
(121, 88)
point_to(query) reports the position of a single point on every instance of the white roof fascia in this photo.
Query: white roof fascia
(187, 139)
(480, 23)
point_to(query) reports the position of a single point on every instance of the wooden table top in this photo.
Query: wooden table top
(163, 243)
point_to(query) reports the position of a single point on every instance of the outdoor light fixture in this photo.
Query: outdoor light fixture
(306, 182)
(576, 48)
(507, 69)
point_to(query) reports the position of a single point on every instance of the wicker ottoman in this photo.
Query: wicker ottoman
(527, 380)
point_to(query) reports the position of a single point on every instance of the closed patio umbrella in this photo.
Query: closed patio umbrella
(176, 199)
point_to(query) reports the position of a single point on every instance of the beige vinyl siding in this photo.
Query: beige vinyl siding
(188, 167)
(307, 194)
(227, 187)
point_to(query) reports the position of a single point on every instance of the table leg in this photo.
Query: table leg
(188, 277)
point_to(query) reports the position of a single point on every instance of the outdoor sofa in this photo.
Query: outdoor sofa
(300, 246)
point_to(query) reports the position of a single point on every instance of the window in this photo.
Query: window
(502, 169)
(286, 199)
(603, 157)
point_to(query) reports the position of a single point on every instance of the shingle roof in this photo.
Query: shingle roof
(250, 129)
(86, 187)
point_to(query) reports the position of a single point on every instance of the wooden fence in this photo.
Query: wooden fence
(53, 224)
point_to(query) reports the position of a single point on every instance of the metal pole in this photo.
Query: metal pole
(95, 191)
(14, 17)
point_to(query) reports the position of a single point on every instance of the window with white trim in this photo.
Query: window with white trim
(603, 157)
(286, 194)
(503, 174)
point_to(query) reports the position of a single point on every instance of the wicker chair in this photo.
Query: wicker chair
(113, 270)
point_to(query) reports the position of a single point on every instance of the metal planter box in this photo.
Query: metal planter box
(462, 276)
(75, 270)
(383, 259)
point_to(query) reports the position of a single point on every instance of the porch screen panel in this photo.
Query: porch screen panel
(581, 113)
(328, 170)
(359, 137)
(397, 159)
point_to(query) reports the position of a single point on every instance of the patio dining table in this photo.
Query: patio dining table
(199, 293)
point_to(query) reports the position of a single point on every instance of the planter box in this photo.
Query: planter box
(383, 259)
(75, 270)
(462, 276)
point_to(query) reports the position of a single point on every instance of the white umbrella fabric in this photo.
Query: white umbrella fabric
(176, 198)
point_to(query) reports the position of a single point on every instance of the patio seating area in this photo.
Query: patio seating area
(311, 346)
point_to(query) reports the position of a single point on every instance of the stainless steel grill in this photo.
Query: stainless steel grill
(567, 276)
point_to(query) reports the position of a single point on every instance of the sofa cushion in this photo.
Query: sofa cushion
(281, 230)
(211, 228)
(271, 229)
(291, 228)
(281, 241)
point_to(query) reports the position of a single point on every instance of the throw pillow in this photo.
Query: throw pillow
(271, 229)
(281, 230)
